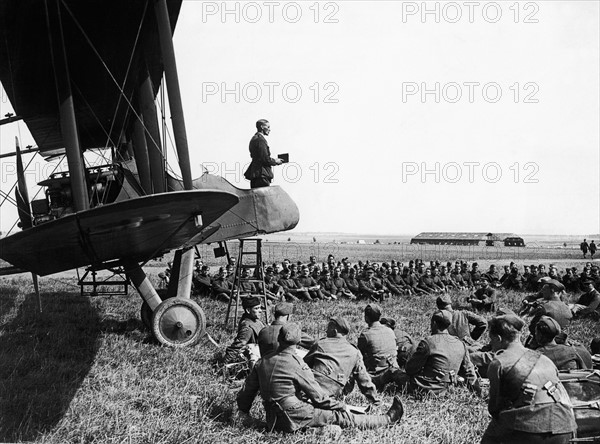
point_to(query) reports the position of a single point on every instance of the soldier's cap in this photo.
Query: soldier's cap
(484, 278)
(553, 327)
(505, 311)
(341, 324)
(557, 286)
(373, 311)
(250, 302)
(443, 318)
(389, 322)
(284, 309)
(587, 282)
(443, 301)
(269, 270)
(369, 268)
(512, 319)
(290, 333)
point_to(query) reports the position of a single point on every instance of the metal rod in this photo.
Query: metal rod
(10, 119)
(14, 153)
(156, 157)
(36, 287)
(165, 34)
(140, 152)
(68, 122)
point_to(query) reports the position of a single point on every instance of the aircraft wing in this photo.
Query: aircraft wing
(137, 229)
(100, 37)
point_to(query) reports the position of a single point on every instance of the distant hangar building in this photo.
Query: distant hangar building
(480, 239)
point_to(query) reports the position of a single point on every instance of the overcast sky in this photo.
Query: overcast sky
(476, 116)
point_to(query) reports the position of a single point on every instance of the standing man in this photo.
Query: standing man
(593, 249)
(528, 403)
(260, 173)
(584, 247)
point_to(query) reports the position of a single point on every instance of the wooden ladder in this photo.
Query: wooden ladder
(244, 262)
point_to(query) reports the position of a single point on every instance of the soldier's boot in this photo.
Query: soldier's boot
(393, 415)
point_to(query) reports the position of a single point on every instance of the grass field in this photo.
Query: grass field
(86, 370)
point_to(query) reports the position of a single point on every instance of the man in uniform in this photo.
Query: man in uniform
(308, 285)
(551, 306)
(352, 283)
(439, 360)
(588, 303)
(371, 288)
(405, 344)
(514, 281)
(593, 249)
(248, 329)
(584, 247)
(340, 284)
(267, 337)
(527, 402)
(291, 290)
(260, 173)
(378, 346)
(484, 297)
(337, 364)
(202, 282)
(461, 321)
(282, 377)
(222, 287)
(565, 357)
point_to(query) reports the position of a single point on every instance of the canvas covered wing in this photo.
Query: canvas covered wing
(137, 230)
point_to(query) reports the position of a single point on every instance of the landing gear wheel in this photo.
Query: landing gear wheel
(178, 322)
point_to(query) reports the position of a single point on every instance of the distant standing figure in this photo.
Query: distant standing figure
(592, 250)
(260, 173)
(584, 247)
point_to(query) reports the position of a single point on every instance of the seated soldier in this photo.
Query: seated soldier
(570, 281)
(371, 288)
(446, 279)
(457, 278)
(412, 282)
(437, 281)
(506, 274)
(293, 400)
(396, 284)
(290, 287)
(466, 275)
(565, 357)
(484, 297)
(405, 344)
(340, 285)
(588, 303)
(352, 282)
(514, 281)
(439, 360)
(248, 329)
(202, 284)
(328, 288)
(551, 306)
(461, 321)
(427, 284)
(306, 283)
(337, 364)
(273, 290)
(527, 402)
(246, 287)
(268, 336)
(378, 346)
(475, 273)
(493, 276)
(222, 287)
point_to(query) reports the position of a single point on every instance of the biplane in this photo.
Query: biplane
(83, 76)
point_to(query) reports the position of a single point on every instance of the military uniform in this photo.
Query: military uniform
(248, 330)
(437, 362)
(378, 347)
(307, 282)
(587, 303)
(337, 365)
(556, 309)
(202, 285)
(567, 357)
(221, 286)
(528, 403)
(487, 297)
(461, 322)
(267, 338)
(369, 288)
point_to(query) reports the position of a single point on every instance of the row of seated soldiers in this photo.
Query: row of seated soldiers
(332, 280)
(386, 354)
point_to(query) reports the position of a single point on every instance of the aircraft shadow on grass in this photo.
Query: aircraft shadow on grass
(44, 359)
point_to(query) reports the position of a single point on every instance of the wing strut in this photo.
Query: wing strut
(68, 124)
